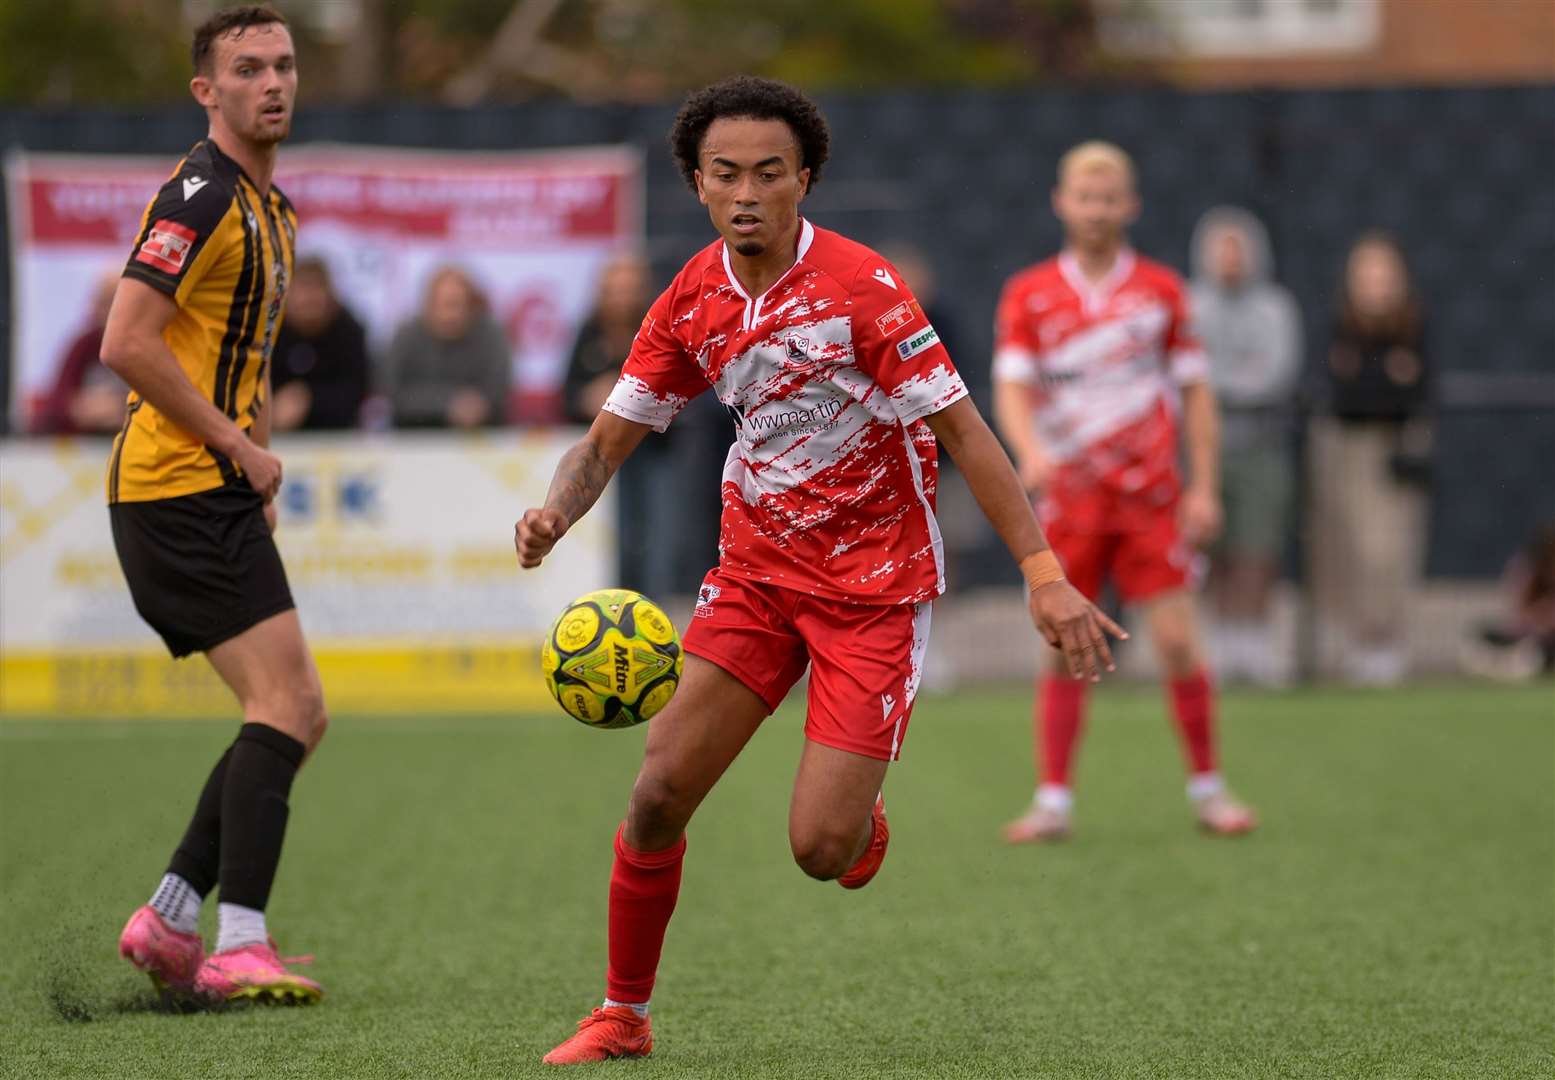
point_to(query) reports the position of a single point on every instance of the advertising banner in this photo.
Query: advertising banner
(533, 230)
(399, 553)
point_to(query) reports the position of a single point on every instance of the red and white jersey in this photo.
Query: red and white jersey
(829, 488)
(1103, 362)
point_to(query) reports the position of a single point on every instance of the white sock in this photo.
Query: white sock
(1202, 785)
(1054, 797)
(239, 926)
(640, 1010)
(178, 904)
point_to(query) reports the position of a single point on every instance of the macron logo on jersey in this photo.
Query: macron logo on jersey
(884, 278)
(167, 246)
(192, 186)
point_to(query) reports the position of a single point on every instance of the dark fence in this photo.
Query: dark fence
(1465, 177)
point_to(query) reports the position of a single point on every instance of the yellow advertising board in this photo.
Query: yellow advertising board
(398, 550)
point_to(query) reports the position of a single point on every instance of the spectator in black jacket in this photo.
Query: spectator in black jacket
(1371, 445)
(320, 367)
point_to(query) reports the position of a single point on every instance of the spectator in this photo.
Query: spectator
(605, 337)
(451, 365)
(319, 368)
(1251, 330)
(86, 397)
(918, 272)
(1370, 455)
(650, 489)
(1521, 645)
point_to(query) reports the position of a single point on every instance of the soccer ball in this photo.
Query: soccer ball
(612, 659)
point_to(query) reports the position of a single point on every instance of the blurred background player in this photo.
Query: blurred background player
(1371, 444)
(839, 387)
(1092, 349)
(190, 490)
(1251, 331)
(320, 370)
(450, 365)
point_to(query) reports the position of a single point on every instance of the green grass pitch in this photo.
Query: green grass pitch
(1395, 917)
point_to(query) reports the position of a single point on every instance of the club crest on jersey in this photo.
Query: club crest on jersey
(166, 246)
(899, 316)
(911, 347)
(798, 348)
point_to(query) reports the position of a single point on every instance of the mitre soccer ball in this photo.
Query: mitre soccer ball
(612, 659)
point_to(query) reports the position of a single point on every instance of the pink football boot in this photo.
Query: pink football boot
(171, 958)
(255, 973)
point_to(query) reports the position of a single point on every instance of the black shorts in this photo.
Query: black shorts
(202, 568)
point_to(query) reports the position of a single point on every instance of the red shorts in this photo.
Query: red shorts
(864, 659)
(1103, 534)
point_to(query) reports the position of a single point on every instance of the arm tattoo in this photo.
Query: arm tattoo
(580, 476)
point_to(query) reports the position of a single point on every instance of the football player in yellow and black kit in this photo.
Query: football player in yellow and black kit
(190, 485)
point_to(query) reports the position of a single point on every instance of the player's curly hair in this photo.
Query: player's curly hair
(747, 97)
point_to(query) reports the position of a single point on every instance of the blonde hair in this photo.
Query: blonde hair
(1096, 155)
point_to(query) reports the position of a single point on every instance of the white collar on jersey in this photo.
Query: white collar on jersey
(753, 307)
(1094, 297)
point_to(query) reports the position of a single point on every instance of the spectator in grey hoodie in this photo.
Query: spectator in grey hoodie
(1251, 330)
(449, 366)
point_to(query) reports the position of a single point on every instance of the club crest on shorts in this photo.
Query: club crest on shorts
(705, 597)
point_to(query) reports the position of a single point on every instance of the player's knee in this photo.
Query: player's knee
(823, 856)
(658, 808)
(320, 725)
(296, 709)
(1179, 653)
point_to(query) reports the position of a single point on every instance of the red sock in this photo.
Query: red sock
(1060, 715)
(643, 888)
(1193, 707)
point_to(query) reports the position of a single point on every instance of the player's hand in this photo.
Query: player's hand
(1075, 627)
(261, 467)
(536, 534)
(1036, 473)
(271, 517)
(1200, 516)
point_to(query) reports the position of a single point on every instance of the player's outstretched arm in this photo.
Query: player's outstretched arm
(1066, 620)
(133, 348)
(580, 478)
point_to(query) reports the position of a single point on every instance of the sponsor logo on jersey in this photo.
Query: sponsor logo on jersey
(911, 347)
(795, 421)
(167, 246)
(899, 316)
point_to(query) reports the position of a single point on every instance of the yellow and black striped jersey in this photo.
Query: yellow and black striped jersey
(223, 252)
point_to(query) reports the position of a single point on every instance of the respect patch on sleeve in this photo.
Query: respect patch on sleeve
(923, 339)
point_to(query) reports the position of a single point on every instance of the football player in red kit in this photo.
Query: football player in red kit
(1094, 360)
(829, 552)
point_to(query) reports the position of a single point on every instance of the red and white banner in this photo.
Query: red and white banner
(533, 229)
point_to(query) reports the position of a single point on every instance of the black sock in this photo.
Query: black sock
(253, 812)
(198, 858)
